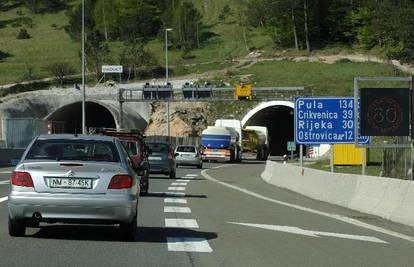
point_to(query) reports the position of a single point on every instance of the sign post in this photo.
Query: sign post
(291, 146)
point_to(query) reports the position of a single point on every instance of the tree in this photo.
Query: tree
(135, 56)
(185, 19)
(97, 51)
(74, 28)
(106, 16)
(38, 6)
(60, 70)
(138, 19)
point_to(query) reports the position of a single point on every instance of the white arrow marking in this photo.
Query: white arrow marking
(299, 231)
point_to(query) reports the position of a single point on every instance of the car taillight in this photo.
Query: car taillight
(22, 179)
(120, 182)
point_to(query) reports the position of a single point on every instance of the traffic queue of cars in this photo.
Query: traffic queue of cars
(89, 179)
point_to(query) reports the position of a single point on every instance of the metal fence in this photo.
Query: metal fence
(175, 141)
(18, 132)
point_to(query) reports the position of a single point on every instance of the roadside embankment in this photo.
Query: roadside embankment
(392, 199)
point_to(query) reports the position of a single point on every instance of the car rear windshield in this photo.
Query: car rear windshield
(158, 147)
(85, 150)
(190, 149)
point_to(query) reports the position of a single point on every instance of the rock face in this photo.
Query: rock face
(186, 119)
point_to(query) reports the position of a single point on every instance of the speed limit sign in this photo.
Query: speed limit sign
(385, 111)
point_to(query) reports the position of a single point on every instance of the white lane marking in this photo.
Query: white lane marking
(177, 209)
(338, 217)
(2, 199)
(6, 172)
(191, 176)
(188, 244)
(176, 188)
(182, 180)
(175, 200)
(181, 223)
(5, 182)
(299, 231)
(179, 184)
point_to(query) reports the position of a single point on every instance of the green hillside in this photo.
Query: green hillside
(50, 43)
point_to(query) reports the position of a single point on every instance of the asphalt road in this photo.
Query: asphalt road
(226, 216)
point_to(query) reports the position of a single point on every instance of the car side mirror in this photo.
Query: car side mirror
(176, 154)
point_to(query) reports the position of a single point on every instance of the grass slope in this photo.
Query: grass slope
(47, 45)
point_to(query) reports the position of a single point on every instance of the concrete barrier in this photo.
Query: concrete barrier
(392, 199)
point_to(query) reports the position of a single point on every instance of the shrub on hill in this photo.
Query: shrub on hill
(23, 34)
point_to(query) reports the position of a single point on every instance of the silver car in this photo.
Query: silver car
(187, 155)
(74, 179)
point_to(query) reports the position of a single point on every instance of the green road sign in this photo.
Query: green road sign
(291, 146)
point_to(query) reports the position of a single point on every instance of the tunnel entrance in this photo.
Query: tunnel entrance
(68, 119)
(278, 118)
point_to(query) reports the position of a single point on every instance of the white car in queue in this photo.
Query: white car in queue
(74, 179)
(188, 155)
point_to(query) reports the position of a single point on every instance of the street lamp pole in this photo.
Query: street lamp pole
(83, 71)
(166, 80)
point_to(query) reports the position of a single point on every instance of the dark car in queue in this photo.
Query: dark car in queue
(161, 158)
(74, 179)
(134, 143)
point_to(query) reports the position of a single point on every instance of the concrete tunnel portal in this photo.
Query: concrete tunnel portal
(277, 116)
(68, 119)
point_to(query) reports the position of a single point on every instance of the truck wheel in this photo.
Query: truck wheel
(259, 155)
(232, 156)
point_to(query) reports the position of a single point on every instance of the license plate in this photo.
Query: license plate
(76, 183)
(154, 158)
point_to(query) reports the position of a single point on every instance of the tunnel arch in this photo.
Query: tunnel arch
(277, 116)
(68, 118)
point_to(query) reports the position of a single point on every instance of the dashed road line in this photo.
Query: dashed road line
(175, 183)
(5, 182)
(2, 199)
(176, 188)
(6, 172)
(175, 200)
(177, 209)
(182, 180)
(188, 244)
(181, 223)
(191, 175)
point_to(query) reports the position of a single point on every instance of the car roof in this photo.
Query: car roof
(76, 137)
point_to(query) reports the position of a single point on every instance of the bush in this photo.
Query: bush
(4, 55)
(23, 34)
(60, 70)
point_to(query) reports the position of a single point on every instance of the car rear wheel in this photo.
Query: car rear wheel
(172, 175)
(16, 227)
(129, 230)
